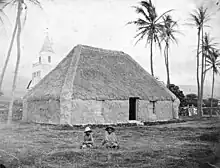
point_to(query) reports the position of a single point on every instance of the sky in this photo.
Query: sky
(102, 23)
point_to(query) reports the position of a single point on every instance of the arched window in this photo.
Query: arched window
(49, 59)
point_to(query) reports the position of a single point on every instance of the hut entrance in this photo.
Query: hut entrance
(132, 108)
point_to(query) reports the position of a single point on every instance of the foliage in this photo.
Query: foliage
(213, 61)
(192, 99)
(207, 102)
(178, 93)
(168, 35)
(191, 96)
(198, 18)
(149, 25)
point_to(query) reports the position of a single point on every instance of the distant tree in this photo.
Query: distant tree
(178, 93)
(191, 96)
(149, 25)
(191, 99)
(211, 102)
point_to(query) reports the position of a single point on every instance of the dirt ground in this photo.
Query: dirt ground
(184, 145)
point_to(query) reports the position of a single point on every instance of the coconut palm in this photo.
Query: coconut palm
(10, 46)
(199, 17)
(213, 64)
(21, 6)
(149, 26)
(167, 36)
(208, 47)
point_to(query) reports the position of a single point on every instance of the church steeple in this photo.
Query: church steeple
(44, 63)
(47, 46)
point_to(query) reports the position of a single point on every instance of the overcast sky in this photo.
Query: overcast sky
(102, 23)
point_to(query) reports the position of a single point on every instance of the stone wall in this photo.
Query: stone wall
(145, 111)
(163, 111)
(99, 112)
(43, 111)
(116, 111)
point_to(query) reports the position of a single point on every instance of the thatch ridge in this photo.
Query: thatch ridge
(101, 50)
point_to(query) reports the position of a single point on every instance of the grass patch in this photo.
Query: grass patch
(171, 145)
(211, 137)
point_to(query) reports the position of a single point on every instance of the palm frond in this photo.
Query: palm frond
(163, 14)
(158, 42)
(141, 35)
(148, 5)
(206, 70)
(5, 4)
(169, 30)
(199, 17)
(213, 60)
(139, 22)
(37, 3)
(140, 10)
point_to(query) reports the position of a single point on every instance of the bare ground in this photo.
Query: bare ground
(183, 145)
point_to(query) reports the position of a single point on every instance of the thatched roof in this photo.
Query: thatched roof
(100, 74)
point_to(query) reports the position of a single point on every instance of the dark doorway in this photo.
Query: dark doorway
(132, 108)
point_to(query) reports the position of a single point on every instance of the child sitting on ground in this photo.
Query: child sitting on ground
(88, 139)
(110, 140)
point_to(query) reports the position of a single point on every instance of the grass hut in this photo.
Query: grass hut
(97, 86)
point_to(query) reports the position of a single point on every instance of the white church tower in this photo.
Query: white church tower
(44, 63)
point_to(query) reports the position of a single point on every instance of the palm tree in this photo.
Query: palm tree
(199, 18)
(150, 26)
(208, 46)
(17, 29)
(10, 46)
(167, 36)
(18, 23)
(213, 63)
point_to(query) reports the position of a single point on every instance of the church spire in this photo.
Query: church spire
(47, 46)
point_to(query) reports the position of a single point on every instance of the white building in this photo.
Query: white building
(44, 63)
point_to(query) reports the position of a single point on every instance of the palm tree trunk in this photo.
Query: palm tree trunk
(197, 74)
(202, 76)
(213, 82)
(18, 22)
(205, 68)
(165, 60)
(8, 54)
(168, 71)
(151, 57)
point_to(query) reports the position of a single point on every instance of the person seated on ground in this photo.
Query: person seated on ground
(88, 139)
(110, 140)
